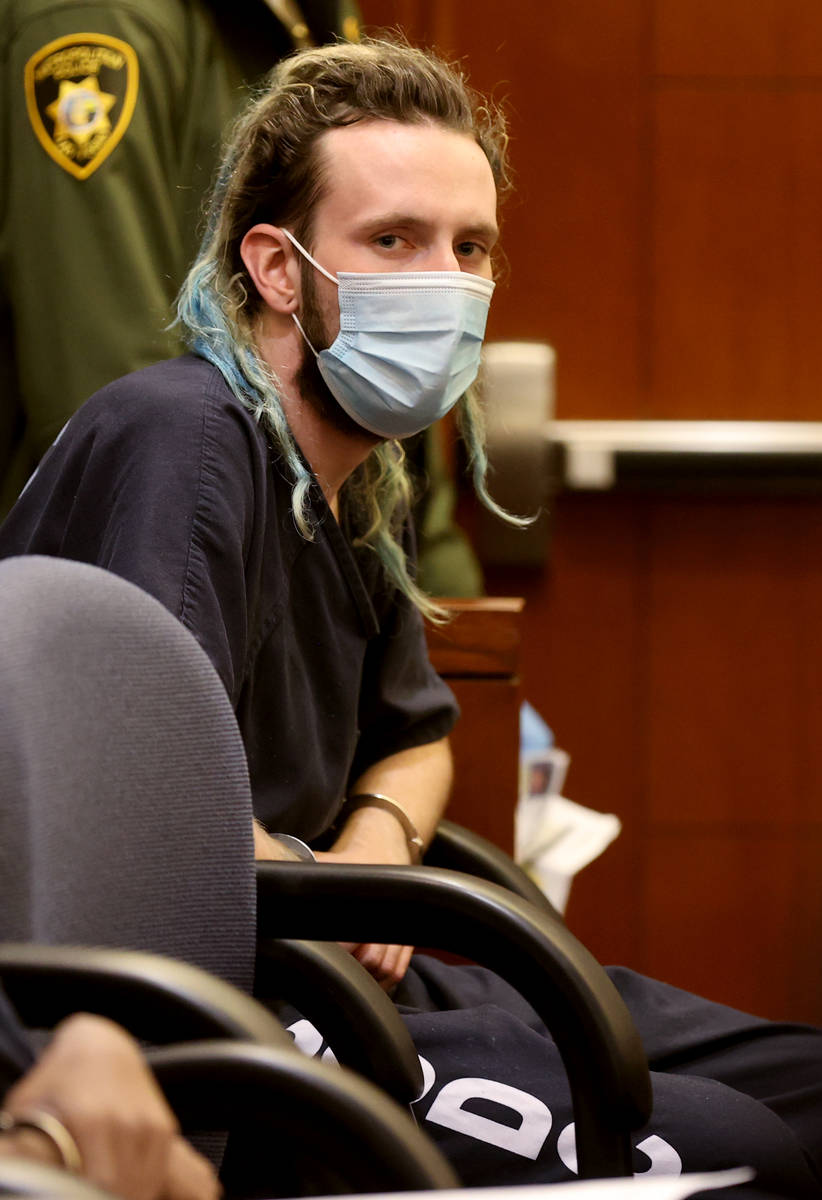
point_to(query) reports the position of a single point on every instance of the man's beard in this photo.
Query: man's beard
(310, 383)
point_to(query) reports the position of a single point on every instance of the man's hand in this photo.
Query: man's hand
(387, 964)
(94, 1080)
(419, 779)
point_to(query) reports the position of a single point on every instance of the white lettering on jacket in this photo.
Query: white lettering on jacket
(527, 1140)
(662, 1158)
(535, 1119)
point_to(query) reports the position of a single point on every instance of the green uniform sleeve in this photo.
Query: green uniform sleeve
(94, 251)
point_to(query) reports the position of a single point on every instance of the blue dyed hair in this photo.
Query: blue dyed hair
(270, 174)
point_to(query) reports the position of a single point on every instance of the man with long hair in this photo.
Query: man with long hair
(257, 488)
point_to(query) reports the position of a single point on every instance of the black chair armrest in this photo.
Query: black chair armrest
(332, 990)
(603, 1056)
(298, 1104)
(163, 1000)
(459, 849)
(157, 999)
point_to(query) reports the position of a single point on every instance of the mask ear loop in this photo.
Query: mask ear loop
(314, 263)
(296, 321)
(305, 254)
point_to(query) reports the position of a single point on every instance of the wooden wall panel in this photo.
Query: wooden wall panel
(737, 243)
(737, 255)
(729, 902)
(736, 38)
(724, 665)
(675, 648)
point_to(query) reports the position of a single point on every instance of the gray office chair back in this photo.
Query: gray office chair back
(125, 808)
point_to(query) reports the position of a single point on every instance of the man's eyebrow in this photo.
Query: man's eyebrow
(396, 217)
(482, 229)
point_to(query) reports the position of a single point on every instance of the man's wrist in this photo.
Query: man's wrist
(388, 804)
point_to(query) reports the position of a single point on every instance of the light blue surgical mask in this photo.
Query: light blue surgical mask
(409, 345)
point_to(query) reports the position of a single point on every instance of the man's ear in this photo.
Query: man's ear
(273, 266)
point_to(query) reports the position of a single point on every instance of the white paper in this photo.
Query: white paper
(555, 837)
(640, 1187)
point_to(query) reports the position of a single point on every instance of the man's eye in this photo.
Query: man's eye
(467, 249)
(388, 241)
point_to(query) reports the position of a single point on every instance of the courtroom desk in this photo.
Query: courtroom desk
(478, 653)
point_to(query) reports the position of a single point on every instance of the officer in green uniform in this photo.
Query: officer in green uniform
(112, 118)
(113, 115)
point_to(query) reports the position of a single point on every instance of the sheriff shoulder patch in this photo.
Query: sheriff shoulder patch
(80, 95)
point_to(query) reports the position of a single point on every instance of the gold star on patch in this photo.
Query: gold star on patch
(80, 111)
(81, 92)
